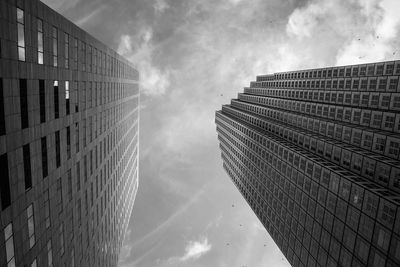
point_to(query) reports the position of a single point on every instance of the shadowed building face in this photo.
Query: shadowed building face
(68, 141)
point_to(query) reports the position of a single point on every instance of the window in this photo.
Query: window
(40, 41)
(34, 263)
(380, 144)
(62, 249)
(56, 100)
(21, 34)
(67, 97)
(59, 194)
(23, 96)
(76, 53)
(55, 47)
(2, 117)
(78, 176)
(9, 240)
(4, 182)
(69, 185)
(42, 101)
(31, 225)
(58, 152)
(27, 166)
(49, 254)
(45, 170)
(66, 50)
(68, 143)
(47, 209)
(394, 148)
(77, 137)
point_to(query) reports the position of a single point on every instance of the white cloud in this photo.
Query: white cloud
(196, 249)
(378, 42)
(61, 5)
(355, 31)
(160, 6)
(90, 16)
(139, 50)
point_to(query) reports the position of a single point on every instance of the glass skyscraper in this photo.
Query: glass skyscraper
(316, 155)
(68, 141)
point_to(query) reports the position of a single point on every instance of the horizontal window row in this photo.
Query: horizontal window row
(84, 57)
(374, 84)
(374, 69)
(383, 101)
(369, 166)
(362, 137)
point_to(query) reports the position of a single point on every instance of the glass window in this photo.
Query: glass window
(58, 149)
(27, 166)
(4, 182)
(42, 101)
(9, 240)
(49, 254)
(66, 50)
(56, 100)
(2, 115)
(47, 208)
(67, 95)
(55, 46)
(40, 41)
(31, 225)
(44, 157)
(21, 34)
(23, 96)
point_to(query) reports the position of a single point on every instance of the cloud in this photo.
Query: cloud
(196, 249)
(61, 5)
(378, 41)
(160, 6)
(355, 31)
(140, 51)
(90, 16)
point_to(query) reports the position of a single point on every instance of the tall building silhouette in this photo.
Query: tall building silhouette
(316, 155)
(68, 141)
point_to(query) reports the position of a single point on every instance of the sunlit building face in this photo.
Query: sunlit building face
(316, 155)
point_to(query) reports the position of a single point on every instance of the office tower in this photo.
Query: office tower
(68, 141)
(316, 155)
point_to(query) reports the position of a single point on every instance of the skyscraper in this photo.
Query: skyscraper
(316, 155)
(68, 141)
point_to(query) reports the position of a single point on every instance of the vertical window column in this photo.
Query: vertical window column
(9, 240)
(56, 100)
(2, 115)
(76, 53)
(23, 96)
(49, 254)
(67, 95)
(66, 50)
(58, 149)
(55, 47)
(40, 40)
(68, 142)
(47, 209)
(42, 101)
(45, 170)
(21, 34)
(4, 182)
(31, 225)
(27, 166)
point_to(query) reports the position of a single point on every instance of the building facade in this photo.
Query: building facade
(68, 141)
(316, 155)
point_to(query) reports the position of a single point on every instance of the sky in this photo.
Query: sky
(194, 56)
